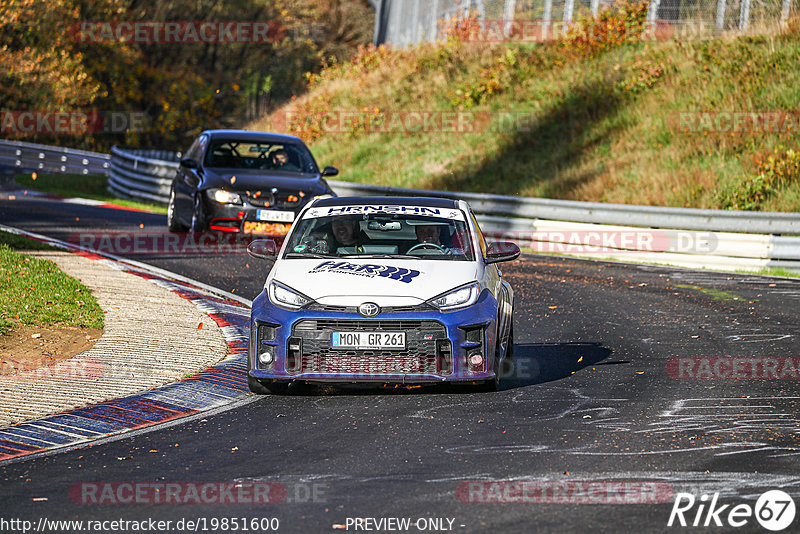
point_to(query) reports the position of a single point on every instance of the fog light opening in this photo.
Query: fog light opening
(476, 361)
(266, 358)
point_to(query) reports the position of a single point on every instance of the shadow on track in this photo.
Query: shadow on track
(534, 363)
(537, 363)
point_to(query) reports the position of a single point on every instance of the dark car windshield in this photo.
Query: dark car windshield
(282, 157)
(381, 235)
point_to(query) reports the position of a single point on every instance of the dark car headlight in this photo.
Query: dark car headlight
(224, 197)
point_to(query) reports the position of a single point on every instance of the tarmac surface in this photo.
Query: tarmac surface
(668, 380)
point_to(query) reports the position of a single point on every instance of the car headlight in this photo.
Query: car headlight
(224, 197)
(282, 294)
(465, 295)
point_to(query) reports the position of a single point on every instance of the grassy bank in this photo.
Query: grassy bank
(36, 292)
(601, 115)
(92, 186)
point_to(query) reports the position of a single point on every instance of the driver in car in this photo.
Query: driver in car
(432, 234)
(280, 161)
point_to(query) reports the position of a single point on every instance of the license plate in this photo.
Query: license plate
(276, 216)
(266, 228)
(368, 340)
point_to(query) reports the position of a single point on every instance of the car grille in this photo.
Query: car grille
(283, 200)
(427, 351)
(315, 306)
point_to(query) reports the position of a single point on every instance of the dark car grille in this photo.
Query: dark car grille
(283, 200)
(427, 349)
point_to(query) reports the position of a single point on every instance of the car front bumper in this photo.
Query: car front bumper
(438, 345)
(249, 219)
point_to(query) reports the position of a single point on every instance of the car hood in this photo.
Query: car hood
(385, 281)
(258, 180)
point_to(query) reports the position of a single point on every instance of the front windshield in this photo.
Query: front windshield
(285, 157)
(380, 234)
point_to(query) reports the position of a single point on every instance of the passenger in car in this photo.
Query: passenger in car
(347, 234)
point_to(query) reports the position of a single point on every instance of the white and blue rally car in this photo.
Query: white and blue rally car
(389, 290)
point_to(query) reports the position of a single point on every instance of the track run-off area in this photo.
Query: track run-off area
(634, 387)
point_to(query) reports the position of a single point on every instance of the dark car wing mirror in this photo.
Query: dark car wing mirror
(189, 163)
(501, 251)
(263, 249)
(330, 171)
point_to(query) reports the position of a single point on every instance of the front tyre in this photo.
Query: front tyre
(173, 224)
(199, 214)
(507, 363)
(273, 388)
(493, 384)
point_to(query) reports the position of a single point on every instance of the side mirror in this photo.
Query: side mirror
(330, 171)
(501, 251)
(189, 163)
(263, 249)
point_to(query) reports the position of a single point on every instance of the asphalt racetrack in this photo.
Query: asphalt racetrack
(632, 384)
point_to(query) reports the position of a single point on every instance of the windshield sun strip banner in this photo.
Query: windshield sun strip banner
(367, 209)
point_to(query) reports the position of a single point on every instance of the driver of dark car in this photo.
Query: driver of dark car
(280, 160)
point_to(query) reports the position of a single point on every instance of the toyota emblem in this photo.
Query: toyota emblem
(369, 309)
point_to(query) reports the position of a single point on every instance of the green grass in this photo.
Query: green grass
(717, 294)
(601, 126)
(770, 271)
(91, 186)
(36, 292)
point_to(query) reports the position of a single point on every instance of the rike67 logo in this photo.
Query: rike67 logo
(774, 510)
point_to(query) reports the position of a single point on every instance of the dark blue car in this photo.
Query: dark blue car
(244, 181)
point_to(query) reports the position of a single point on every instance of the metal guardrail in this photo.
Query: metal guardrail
(27, 157)
(142, 174)
(679, 236)
(597, 212)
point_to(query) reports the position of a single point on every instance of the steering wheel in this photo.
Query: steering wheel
(434, 246)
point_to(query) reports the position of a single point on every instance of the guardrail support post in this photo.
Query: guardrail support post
(744, 15)
(435, 21)
(569, 8)
(548, 14)
(652, 11)
(785, 11)
(509, 9)
(720, 15)
(417, 27)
